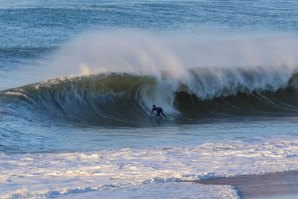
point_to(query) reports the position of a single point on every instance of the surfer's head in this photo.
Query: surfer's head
(153, 105)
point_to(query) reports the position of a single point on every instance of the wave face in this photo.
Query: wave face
(124, 99)
(97, 99)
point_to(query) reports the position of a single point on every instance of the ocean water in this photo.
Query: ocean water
(78, 80)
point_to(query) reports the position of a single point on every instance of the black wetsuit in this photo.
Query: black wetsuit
(159, 112)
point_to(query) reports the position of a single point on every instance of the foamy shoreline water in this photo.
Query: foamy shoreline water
(58, 174)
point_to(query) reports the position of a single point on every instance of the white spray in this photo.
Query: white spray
(270, 61)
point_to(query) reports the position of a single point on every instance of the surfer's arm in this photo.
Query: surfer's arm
(152, 111)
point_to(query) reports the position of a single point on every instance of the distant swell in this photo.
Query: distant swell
(124, 99)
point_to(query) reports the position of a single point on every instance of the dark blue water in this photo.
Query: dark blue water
(31, 28)
(72, 115)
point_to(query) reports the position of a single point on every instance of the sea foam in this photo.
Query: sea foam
(49, 174)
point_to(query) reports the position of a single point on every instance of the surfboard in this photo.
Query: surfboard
(170, 118)
(162, 119)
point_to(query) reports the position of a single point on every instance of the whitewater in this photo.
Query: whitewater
(78, 81)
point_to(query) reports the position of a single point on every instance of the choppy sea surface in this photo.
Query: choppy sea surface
(78, 80)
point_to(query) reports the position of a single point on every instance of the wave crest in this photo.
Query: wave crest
(126, 99)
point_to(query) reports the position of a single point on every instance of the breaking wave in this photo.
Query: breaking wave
(126, 99)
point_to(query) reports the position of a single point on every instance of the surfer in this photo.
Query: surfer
(159, 111)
